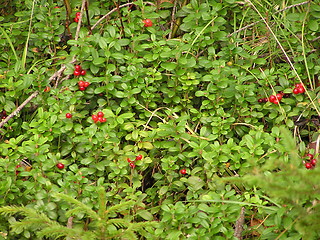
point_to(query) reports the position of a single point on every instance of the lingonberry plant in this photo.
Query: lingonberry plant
(199, 116)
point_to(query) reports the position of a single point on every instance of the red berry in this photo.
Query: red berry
(68, 115)
(76, 73)
(279, 96)
(298, 85)
(81, 83)
(83, 72)
(56, 7)
(260, 100)
(147, 22)
(78, 14)
(18, 166)
(276, 101)
(129, 160)
(94, 118)
(132, 165)
(272, 98)
(139, 157)
(308, 165)
(47, 89)
(183, 171)
(313, 162)
(86, 84)
(295, 91)
(265, 100)
(301, 89)
(100, 114)
(103, 120)
(77, 68)
(310, 156)
(60, 165)
(100, 119)
(76, 19)
(82, 88)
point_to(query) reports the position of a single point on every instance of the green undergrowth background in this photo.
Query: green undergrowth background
(183, 94)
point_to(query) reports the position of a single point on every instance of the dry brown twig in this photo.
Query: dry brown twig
(18, 109)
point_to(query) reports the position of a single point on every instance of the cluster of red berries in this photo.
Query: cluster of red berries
(147, 22)
(79, 71)
(76, 19)
(299, 88)
(131, 162)
(83, 85)
(99, 117)
(276, 98)
(310, 161)
(3, 114)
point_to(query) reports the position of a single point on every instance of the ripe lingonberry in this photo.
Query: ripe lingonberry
(260, 100)
(183, 171)
(76, 19)
(81, 83)
(295, 91)
(129, 160)
(310, 156)
(132, 165)
(77, 68)
(279, 96)
(100, 114)
(147, 22)
(86, 84)
(94, 118)
(103, 120)
(78, 14)
(301, 89)
(83, 72)
(82, 88)
(313, 162)
(272, 98)
(308, 165)
(139, 157)
(276, 101)
(68, 115)
(76, 73)
(60, 165)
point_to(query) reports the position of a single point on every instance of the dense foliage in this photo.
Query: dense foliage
(186, 141)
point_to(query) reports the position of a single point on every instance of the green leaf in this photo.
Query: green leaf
(145, 215)
(169, 66)
(195, 183)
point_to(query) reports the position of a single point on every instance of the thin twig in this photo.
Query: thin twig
(18, 109)
(255, 23)
(172, 18)
(115, 9)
